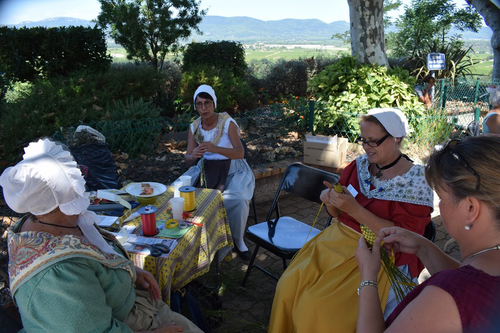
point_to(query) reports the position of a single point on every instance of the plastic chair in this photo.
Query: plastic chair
(288, 236)
(254, 208)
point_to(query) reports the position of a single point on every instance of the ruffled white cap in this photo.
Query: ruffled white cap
(393, 120)
(47, 178)
(207, 89)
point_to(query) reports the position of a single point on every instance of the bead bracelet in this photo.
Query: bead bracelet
(367, 283)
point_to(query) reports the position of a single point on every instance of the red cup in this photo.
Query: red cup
(148, 219)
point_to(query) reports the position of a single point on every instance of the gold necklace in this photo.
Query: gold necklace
(496, 247)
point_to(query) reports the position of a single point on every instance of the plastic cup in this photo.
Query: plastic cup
(177, 184)
(186, 180)
(177, 207)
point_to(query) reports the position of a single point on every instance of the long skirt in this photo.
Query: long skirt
(238, 191)
(147, 315)
(317, 292)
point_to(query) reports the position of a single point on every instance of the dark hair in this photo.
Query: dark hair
(482, 154)
(204, 95)
(428, 78)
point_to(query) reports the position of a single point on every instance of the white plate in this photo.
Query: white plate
(135, 189)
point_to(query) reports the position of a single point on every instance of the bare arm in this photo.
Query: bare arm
(433, 310)
(193, 152)
(493, 123)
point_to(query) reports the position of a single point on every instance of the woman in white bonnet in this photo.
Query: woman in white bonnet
(214, 137)
(383, 187)
(66, 274)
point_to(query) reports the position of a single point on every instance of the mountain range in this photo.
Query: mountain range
(249, 30)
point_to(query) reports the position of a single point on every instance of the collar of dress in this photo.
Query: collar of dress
(410, 187)
(30, 252)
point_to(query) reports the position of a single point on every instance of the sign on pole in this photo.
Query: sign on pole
(436, 61)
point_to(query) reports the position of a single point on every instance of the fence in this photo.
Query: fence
(153, 149)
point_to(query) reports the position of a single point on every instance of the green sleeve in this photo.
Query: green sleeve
(76, 295)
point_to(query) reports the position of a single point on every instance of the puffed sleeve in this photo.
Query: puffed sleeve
(76, 295)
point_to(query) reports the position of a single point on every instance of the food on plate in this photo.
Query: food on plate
(146, 189)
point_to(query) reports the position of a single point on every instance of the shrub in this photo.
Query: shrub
(225, 55)
(30, 53)
(281, 78)
(351, 87)
(48, 105)
(234, 94)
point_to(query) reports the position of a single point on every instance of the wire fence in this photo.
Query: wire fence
(153, 149)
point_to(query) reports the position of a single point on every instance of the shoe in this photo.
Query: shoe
(245, 255)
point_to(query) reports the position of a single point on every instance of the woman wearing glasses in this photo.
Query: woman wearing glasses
(382, 188)
(459, 296)
(215, 139)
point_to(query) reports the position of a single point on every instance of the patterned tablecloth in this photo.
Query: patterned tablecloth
(195, 251)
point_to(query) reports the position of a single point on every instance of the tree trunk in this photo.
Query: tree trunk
(367, 31)
(491, 14)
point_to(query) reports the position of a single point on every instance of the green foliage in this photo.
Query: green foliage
(45, 106)
(30, 53)
(131, 108)
(227, 55)
(348, 87)
(428, 22)
(234, 94)
(148, 30)
(280, 78)
(458, 60)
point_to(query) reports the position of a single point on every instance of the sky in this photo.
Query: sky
(17, 11)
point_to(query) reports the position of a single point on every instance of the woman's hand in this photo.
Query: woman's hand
(197, 153)
(207, 146)
(343, 201)
(401, 240)
(368, 260)
(146, 281)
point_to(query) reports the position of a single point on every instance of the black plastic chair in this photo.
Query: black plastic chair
(288, 236)
(254, 208)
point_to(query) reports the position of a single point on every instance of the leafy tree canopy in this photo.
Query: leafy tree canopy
(149, 29)
(428, 22)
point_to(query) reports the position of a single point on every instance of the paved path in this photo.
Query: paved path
(248, 309)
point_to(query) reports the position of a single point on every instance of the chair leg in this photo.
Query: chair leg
(255, 218)
(250, 265)
(284, 264)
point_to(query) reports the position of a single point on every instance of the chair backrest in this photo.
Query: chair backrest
(245, 148)
(303, 181)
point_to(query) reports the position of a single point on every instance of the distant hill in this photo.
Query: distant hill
(249, 30)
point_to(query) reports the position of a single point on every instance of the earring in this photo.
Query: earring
(395, 140)
(468, 226)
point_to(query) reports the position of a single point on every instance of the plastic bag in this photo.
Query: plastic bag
(101, 168)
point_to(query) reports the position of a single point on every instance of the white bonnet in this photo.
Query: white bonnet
(207, 89)
(393, 120)
(46, 178)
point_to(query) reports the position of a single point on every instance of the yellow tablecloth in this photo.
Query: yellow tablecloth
(195, 251)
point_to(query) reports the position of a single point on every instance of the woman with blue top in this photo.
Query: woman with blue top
(214, 144)
(66, 274)
(491, 123)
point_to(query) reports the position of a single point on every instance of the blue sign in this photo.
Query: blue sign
(436, 61)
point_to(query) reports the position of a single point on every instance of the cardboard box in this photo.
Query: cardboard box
(330, 155)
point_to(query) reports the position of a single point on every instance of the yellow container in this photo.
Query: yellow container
(187, 192)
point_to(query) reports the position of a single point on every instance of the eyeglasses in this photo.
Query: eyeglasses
(206, 104)
(463, 162)
(372, 143)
